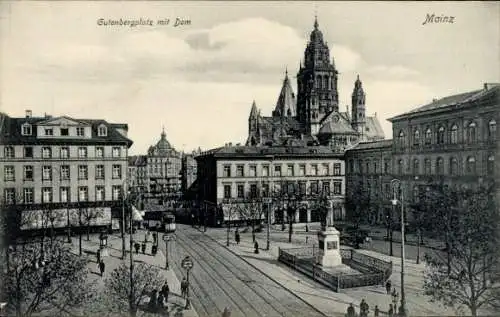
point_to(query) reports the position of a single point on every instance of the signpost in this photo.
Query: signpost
(167, 238)
(187, 264)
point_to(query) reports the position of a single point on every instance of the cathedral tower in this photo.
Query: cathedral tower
(317, 94)
(286, 105)
(253, 126)
(358, 108)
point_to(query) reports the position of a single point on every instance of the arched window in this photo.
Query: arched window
(416, 167)
(367, 168)
(454, 134)
(400, 167)
(428, 136)
(416, 137)
(325, 82)
(440, 166)
(427, 167)
(440, 135)
(318, 81)
(360, 166)
(453, 166)
(492, 129)
(471, 165)
(491, 164)
(416, 194)
(401, 138)
(471, 132)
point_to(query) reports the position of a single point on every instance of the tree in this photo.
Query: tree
(53, 282)
(471, 278)
(358, 203)
(321, 203)
(423, 209)
(127, 296)
(251, 209)
(88, 215)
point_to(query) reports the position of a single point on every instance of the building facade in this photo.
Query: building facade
(278, 177)
(137, 173)
(189, 174)
(53, 168)
(313, 117)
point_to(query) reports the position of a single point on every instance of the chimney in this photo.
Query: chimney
(28, 113)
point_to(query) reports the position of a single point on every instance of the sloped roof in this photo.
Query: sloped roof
(266, 151)
(336, 123)
(373, 129)
(286, 104)
(372, 145)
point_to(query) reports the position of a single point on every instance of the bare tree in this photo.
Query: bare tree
(127, 296)
(251, 210)
(88, 216)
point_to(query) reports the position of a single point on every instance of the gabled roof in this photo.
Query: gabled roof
(373, 129)
(336, 123)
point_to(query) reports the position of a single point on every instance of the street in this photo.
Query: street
(221, 279)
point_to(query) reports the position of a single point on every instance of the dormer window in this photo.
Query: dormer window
(102, 131)
(80, 131)
(26, 129)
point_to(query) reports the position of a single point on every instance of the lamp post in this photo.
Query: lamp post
(396, 184)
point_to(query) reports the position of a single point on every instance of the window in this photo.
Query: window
(227, 191)
(99, 193)
(302, 188)
(471, 165)
(386, 166)
(440, 136)
(241, 191)
(64, 194)
(290, 170)
(83, 193)
(490, 165)
(492, 130)
(99, 172)
(46, 152)
(253, 171)
(416, 167)
(46, 195)
(453, 166)
(9, 173)
(10, 196)
(253, 190)
(102, 131)
(227, 171)
(400, 167)
(46, 173)
(99, 151)
(427, 167)
(401, 138)
(336, 169)
(116, 192)
(302, 170)
(454, 134)
(416, 137)
(82, 152)
(265, 170)
(326, 188)
(28, 173)
(80, 131)
(265, 190)
(116, 151)
(49, 131)
(239, 170)
(28, 151)
(28, 196)
(9, 152)
(117, 171)
(375, 170)
(416, 194)
(471, 132)
(277, 170)
(337, 188)
(440, 166)
(83, 172)
(367, 167)
(428, 136)
(314, 187)
(64, 152)
(314, 170)
(26, 129)
(64, 132)
(326, 169)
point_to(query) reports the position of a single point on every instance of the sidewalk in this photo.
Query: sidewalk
(176, 303)
(324, 299)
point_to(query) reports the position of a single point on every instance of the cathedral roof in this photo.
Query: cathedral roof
(373, 129)
(336, 123)
(254, 112)
(316, 34)
(286, 105)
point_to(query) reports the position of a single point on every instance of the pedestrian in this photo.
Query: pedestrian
(237, 236)
(184, 287)
(146, 236)
(388, 286)
(143, 248)
(351, 312)
(137, 246)
(363, 309)
(391, 311)
(98, 254)
(377, 311)
(155, 237)
(226, 312)
(256, 245)
(160, 302)
(395, 296)
(165, 290)
(152, 300)
(102, 266)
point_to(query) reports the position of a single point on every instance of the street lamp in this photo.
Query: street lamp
(396, 184)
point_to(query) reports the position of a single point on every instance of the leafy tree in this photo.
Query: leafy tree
(358, 203)
(125, 293)
(471, 278)
(52, 282)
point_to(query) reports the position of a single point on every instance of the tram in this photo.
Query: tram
(168, 222)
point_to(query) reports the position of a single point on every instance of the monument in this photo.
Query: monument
(329, 241)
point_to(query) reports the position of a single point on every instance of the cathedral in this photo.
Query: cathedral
(313, 117)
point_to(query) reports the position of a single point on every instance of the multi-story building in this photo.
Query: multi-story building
(137, 173)
(55, 167)
(189, 173)
(279, 176)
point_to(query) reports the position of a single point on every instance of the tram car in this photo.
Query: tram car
(159, 220)
(168, 222)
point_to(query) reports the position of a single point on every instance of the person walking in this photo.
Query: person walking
(184, 287)
(390, 313)
(363, 308)
(395, 296)
(377, 311)
(351, 312)
(155, 237)
(165, 291)
(152, 300)
(159, 306)
(388, 286)
(226, 312)
(98, 254)
(237, 236)
(102, 267)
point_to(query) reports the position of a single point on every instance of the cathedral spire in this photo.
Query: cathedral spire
(163, 134)
(253, 111)
(286, 105)
(316, 24)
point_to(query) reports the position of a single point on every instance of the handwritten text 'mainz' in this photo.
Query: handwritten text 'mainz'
(432, 18)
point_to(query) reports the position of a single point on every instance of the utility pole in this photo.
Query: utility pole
(131, 256)
(123, 221)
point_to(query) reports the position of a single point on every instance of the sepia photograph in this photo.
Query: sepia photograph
(249, 158)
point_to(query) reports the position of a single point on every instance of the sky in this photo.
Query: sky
(198, 81)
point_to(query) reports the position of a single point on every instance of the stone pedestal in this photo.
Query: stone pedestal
(329, 248)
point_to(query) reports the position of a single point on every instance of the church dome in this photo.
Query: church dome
(316, 34)
(162, 147)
